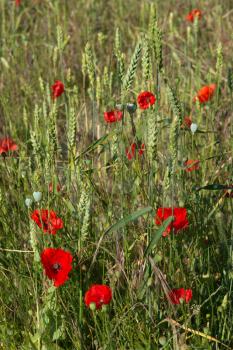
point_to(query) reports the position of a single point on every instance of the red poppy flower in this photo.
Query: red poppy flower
(142, 149)
(179, 223)
(146, 99)
(193, 14)
(191, 165)
(57, 264)
(205, 93)
(130, 151)
(17, 2)
(51, 187)
(7, 145)
(186, 122)
(176, 294)
(113, 116)
(99, 294)
(47, 220)
(57, 89)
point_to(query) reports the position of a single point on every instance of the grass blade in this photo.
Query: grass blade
(119, 224)
(92, 146)
(131, 217)
(157, 235)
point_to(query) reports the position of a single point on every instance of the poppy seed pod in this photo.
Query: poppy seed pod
(131, 107)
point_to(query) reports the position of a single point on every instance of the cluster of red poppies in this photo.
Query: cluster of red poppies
(7, 145)
(145, 100)
(47, 220)
(57, 263)
(130, 151)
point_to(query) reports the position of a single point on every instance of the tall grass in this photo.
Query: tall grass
(106, 53)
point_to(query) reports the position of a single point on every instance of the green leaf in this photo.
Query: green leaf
(213, 187)
(34, 338)
(119, 224)
(124, 221)
(157, 235)
(92, 146)
(143, 286)
(59, 332)
(69, 205)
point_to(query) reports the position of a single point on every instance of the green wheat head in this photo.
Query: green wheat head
(131, 72)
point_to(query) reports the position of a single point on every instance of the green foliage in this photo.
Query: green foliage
(107, 201)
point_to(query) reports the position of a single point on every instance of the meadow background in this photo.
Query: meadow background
(106, 53)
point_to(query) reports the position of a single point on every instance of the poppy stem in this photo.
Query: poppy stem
(133, 126)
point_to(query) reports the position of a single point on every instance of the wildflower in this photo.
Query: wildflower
(177, 296)
(179, 222)
(205, 93)
(28, 202)
(186, 122)
(37, 196)
(7, 145)
(146, 99)
(113, 116)
(193, 14)
(130, 151)
(47, 220)
(191, 165)
(51, 187)
(99, 295)
(57, 89)
(193, 128)
(141, 149)
(17, 2)
(57, 264)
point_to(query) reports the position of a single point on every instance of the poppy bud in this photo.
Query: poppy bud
(28, 202)
(119, 106)
(37, 196)
(92, 306)
(193, 128)
(162, 340)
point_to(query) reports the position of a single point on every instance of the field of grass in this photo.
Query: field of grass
(107, 180)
